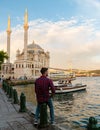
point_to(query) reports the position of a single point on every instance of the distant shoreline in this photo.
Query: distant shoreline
(88, 76)
(32, 81)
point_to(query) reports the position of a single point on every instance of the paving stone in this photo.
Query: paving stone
(8, 128)
(11, 119)
(17, 125)
(29, 127)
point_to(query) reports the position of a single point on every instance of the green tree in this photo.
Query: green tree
(3, 56)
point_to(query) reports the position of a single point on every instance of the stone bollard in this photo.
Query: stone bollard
(11, 92)
(15, 96)
(92, 125)
(22, 103)
(5, 87)
(3, 84)
(8, 90)
(43, 116)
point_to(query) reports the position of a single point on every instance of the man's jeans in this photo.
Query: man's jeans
(50, 104)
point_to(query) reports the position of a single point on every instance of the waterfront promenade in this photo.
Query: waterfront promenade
(11, 119)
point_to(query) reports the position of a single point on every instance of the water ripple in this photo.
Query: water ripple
(74, 109)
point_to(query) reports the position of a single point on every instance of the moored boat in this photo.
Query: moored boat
(66, 87)
(70, 88)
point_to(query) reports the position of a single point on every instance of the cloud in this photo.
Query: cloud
(89, 3)
(88, 8)
(69, 41)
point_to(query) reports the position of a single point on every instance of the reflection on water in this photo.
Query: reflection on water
(73, 109)
(28, 90)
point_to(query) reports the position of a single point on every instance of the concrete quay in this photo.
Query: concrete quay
(11, 119)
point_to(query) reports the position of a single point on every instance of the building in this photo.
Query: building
(30, 67)
(28, 62)
(7, 69)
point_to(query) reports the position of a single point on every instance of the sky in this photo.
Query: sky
(68, 29)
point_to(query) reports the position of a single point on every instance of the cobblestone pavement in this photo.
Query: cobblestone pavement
(11, 119)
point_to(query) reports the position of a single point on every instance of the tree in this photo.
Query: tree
(3, 56)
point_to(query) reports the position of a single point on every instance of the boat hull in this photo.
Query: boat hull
(60, 90)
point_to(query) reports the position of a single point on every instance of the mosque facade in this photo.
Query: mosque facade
(28, 62)
(36, 59)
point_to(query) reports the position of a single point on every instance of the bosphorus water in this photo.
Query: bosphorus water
(73, 109)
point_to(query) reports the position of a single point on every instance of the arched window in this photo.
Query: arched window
(22, 66)
(19, 65)
(32, 66)
(16, 65)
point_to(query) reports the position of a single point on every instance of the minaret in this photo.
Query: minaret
(25, 34)
(8, 39)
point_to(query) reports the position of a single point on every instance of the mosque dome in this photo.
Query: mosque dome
(34, 46)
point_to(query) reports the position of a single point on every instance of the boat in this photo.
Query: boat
(62, 75)
(66, 88)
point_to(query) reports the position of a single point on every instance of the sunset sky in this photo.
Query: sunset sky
(69, 29)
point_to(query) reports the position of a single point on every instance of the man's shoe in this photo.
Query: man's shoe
(35, 122)
(53, 123)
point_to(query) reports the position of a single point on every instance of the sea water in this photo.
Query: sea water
(73, 109)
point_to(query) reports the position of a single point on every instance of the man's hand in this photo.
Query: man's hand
(51, 95)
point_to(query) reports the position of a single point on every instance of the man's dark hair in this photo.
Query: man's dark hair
(43, 70)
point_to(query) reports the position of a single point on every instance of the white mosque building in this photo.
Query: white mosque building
(28, 62)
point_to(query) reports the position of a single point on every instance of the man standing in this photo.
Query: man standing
(42, 87)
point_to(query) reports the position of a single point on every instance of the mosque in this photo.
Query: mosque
(28, 62)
